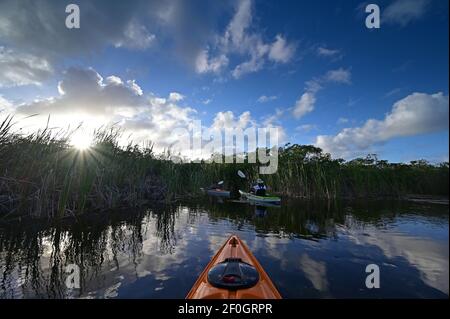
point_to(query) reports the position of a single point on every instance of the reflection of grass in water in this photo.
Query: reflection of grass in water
(42, 175)
(315, 219)
(96, 244)
(40, 251)
(165, 229)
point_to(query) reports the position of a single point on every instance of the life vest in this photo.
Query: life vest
(260, 190)
(258, 187)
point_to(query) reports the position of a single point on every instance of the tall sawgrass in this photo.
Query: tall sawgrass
(42, 175)
(305, 171)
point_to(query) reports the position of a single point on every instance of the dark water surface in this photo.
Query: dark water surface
(310, 250)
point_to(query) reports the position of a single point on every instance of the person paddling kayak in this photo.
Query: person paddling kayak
(259, 188)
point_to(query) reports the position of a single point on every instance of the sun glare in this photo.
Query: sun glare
(81, 141)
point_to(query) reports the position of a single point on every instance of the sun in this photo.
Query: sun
(81, 141)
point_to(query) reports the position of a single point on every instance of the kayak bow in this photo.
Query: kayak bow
(233, 273)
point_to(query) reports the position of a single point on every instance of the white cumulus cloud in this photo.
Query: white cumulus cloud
(338, 76)
(175, 97)
(402, 12)
(5, 105)
(265, 98)
(325, 52)
(241, 41)
(136, 36)
(19, 69)
(281, 51)
(205, 64)
(227, 119)
(304, 105)
(418, 113)
(86, 97)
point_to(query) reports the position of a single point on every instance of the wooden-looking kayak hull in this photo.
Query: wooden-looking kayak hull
(234, 248)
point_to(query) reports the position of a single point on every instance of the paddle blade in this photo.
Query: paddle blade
(242, 175)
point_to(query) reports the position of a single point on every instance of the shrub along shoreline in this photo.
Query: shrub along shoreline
(43, 176)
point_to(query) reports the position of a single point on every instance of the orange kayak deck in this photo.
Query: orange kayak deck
(234, 248)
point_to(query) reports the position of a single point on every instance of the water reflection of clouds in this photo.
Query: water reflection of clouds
(160, 254)
(112, 291)
(153, 261)
(315, 271)
(273, 246)
(431, 258)
(290, 258)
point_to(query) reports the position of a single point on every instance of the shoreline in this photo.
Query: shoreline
(101, 212)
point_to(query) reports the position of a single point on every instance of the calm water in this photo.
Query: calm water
(310, 250)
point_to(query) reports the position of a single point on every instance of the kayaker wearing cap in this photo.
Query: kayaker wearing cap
(259, 188)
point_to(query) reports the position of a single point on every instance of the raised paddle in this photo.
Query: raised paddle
(241, 174)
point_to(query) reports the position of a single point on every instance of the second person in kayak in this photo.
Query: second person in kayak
(259, 188)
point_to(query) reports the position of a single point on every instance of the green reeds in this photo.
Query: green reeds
(42, 175)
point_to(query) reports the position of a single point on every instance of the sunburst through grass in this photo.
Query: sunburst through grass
(81, 141)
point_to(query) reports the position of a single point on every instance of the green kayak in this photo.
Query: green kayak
(261, 199)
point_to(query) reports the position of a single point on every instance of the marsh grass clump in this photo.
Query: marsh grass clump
(43, 175)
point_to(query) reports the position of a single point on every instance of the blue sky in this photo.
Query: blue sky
(311, 68)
